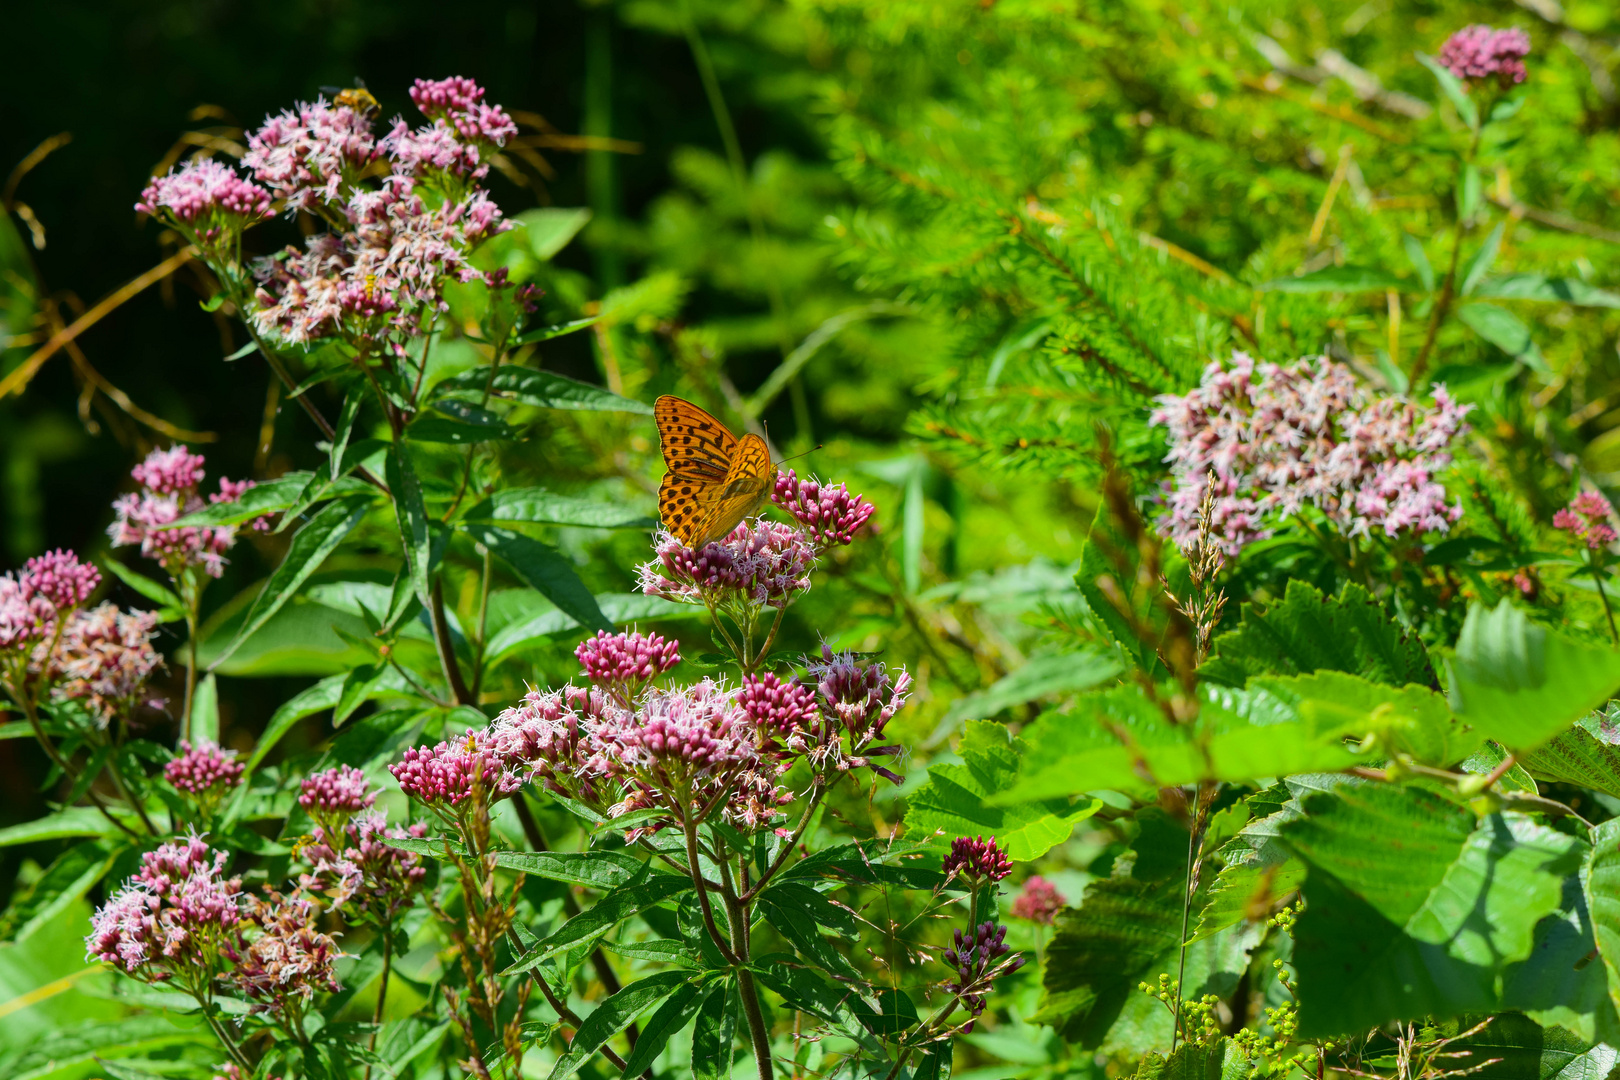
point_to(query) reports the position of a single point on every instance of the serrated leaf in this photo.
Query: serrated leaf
(1219, 1060)
(544, 389)
(1521, 684)
(542, 507)
(1524, 1050)
(1413, 907)
(345, 428)
(544, 568)
(319, 537)
(1309, 632)
(557, 330)
(1337, 279)
(1584, 755)
(613, 1016)
(1093, 567)
(606, 869)
(953, 801)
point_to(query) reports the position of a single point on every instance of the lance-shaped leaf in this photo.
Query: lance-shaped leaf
(549, 228)
(952, 802)
(1549, 289)
(62, 884)
(546, 569)
(1413, 907)
(1521, 684)
(606, 869)
(614, 1015)
(411, 516)
(319, 537)
(63, 824)
(715, 1033)
(544, 389)
(620, 608)
(539, 506)
(618, 905)
(268, 497)
(671, 1019)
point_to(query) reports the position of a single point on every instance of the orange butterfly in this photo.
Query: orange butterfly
(714, 479)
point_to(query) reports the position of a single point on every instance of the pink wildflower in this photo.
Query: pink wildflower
(460, 102)
(445, 775)
(760, 563)
(206, 198)
(204, 771)
(311, 155)
(977, 859)
(104, 659)
(172, 920)
(682, 736)
(829, 513)
(342, 790)
(61, 579)
(1479, 52)
(1039, 901)
(1279, 438)
(288, 959)
(977, 961)
(625, 664)
(169, 482)
(777, 706)
(1586, 519)
(859, 699)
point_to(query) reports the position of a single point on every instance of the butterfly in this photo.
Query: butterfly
(714, 479)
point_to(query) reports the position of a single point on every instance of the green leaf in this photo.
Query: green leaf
(1219, 1060)
(1547, 289)
(1344, 279)
(546, 569)
(549, 228)
(307, 702)
(1126, 930)
(1042, 676)
(835, 917)
(546, 333)
(63, 824)
(1469, 191)
(1419, 260)
(714, 1036)
(345, 428)
(544, 389)
(1505, 330)
(799, 928)
(1583, 755)
(1520, 684)
(618, 905)
(269, 497)
(613, 1016)
(411, 517)
(1600, 882)
(869, 862)
(461, 425)
(1481, 263)
(1413, 907)
(664, 1024)
(1454, 90)
(205, 711)
(620, 608)
(1524, 1050)
(158, 594)
(542, 507)
(319, 537)
(1308, 632)
(606, 869)
(62, 884)
(952, 802)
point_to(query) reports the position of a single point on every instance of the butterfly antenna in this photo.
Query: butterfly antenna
(806, 453)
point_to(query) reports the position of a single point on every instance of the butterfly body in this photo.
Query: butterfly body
(714, 480)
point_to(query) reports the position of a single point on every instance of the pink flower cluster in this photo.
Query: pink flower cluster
(174, 918)
(207, 199)
(759, 564)
(332, 796)
(1479, 52)
(828, 513)
(460, 102)
(169, 481)
(351, 857)
(1586, 519)
(1279, 438)
(1039, 901)
(778, 706)
(445, 775)
(288, 959)
(204, 771)
(34, 599)
(311, 154)
(625, 664)
(104, 659)
(977, 960)
(977, 859)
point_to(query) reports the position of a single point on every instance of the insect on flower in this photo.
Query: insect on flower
(356, 97)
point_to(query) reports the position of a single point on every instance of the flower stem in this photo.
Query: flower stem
(758, 1035)
(191, 664)
(447, 651)
(1603, 594)
(382, 990)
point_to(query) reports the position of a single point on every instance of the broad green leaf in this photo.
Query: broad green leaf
(411, 517)
(539, 506)
(319, 537)
(47, 985)
(1257, 868)
(614, 1015)
(1524, 1050)
(460, 424)
(1219, 1060)
(1337, 279)
(835, 917)
(620, 608)
(549, 228)
(1309, 632)
(546, 569)
(671, 1019)
(59, 888)
(1413, 907)
(82, 1044)
(1548, 289)
(544, 389)
(1126, 930)
(606, 869)
(604, 915)
(1480, 264)
(367, 683)
(952, 802)
(269, 497)
(1521, 684)
(205, 711)
(1562, 983)
(714, 1035)
(1600, 881)
(1042, 676)
(1505, 330)
(63, 824)
(1585, 755)
(1454, 90)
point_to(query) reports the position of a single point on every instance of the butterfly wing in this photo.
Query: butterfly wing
(699, 453)
(747, 485)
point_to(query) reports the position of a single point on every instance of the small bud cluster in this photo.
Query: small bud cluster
(1272, 439)
(445, 775)
(759, 564)
(828, 513)
(205, 772)
(33, 600)
(1586, 519)
(1482, 52)
(625, 664)
(777, 706)
(170, 481)
(350, 857)
(332, 796)
(1039, 901)
(977, 958)
(977, 859)
(206, 200)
